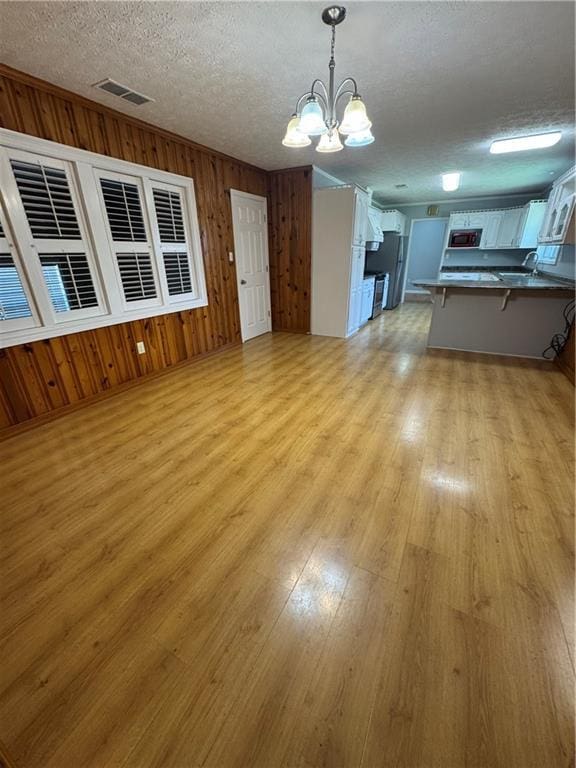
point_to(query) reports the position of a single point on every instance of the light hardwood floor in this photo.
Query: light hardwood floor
(304, 552)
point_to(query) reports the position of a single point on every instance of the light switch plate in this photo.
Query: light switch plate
(140, 347)
(230, 257)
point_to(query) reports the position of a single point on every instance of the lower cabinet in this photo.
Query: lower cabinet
(367, 299)
(354, 310)
(356, 286)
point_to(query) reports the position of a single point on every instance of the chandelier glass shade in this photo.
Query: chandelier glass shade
(312, 118)
(360, 139)
(330, 142)
(294, 137)
(317, 110)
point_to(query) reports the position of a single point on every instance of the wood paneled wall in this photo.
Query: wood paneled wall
(44, 376)
(290, 234)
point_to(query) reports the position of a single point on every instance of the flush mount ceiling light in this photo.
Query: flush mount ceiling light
(450, 182)
(537, 141)
(316, 114)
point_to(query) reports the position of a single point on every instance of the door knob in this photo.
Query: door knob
(242, 282)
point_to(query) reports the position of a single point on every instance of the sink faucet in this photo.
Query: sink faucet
(531, 255)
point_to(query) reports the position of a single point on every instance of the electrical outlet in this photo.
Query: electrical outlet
(230, 257)
(140, 347)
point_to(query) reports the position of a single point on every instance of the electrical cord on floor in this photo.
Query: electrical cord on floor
(559, 340)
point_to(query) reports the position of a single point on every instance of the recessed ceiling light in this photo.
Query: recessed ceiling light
(537, 141)
(450, 182)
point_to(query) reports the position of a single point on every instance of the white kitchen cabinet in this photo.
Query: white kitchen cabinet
(338, 256)
(530, 224)
(504, 228)
(367, 299)
(492, 221)
(360, 216)
(356, 287)
(507, 232)
(558, 225)
(467, 220)
(457, 221)
(354, 310)
(393, 221)
(476, 220)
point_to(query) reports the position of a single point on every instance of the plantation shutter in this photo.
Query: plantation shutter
(174, 245)
(129, 237)
(137, 276)
(52, 214)
(47, 201)
(69, 282)
(15, 310)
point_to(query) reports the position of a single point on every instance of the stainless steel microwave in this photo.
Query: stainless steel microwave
(465, 238)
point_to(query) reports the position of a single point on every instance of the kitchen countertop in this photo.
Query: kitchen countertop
(504, 282)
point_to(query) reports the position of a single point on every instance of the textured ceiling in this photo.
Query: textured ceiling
(440, 79)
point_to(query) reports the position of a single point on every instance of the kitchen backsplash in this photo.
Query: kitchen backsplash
(565, 264)
(478, 258)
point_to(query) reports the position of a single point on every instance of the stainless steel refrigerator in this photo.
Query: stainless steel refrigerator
(390, 258)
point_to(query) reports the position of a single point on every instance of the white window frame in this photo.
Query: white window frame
(130, 246)
(84, 168)
(33, 248)
(161, 248)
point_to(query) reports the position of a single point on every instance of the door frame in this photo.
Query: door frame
(234, 195)
(409, 247)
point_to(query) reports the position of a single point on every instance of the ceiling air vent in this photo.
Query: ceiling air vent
(117, 89)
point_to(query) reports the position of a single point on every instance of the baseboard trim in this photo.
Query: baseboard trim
(423, 297)
(44, 418)
(536, 358)
(5, 760)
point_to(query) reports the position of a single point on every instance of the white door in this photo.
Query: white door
(249, 220)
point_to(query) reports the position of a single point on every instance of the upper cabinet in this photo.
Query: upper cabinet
(558, 225)
(508, 230)
(505, 228)
(491, 228)
(468, 220)
(361, 206)
(530, 224)
(393, 221)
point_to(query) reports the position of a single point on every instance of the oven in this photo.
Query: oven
(380, 293)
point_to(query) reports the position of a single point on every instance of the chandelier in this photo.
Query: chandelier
(315, 113)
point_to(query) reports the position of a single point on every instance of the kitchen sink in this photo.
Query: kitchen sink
(518, 276)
